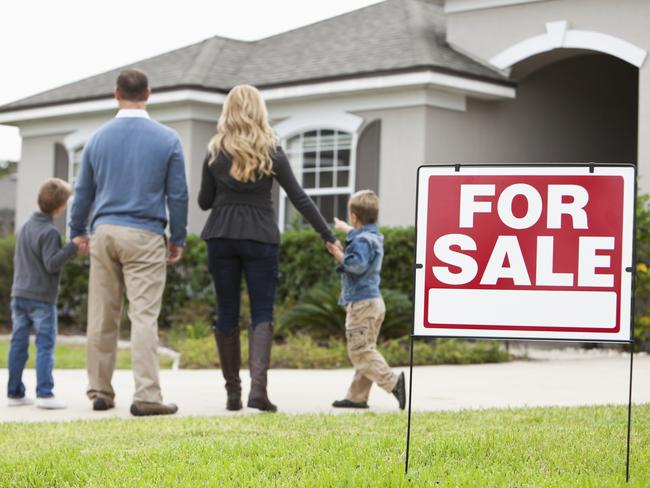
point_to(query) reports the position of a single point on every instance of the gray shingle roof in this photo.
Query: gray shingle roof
(394, 35)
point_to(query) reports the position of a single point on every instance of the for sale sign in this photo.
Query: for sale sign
(525, 252)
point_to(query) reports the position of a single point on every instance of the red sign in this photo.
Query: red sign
(525, 252)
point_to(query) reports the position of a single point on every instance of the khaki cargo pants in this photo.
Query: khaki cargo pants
(362, 324)
(132, 261)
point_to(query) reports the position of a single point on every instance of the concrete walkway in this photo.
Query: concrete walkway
(560, 379)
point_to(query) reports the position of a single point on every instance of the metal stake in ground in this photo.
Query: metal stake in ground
(629, 417)
(408, 428)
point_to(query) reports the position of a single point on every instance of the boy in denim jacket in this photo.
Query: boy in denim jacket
(359, 267)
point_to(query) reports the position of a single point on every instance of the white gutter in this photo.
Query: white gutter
(453, 83)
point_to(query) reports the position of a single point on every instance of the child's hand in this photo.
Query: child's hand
(342, 226)
(334, 249)
(83, 244)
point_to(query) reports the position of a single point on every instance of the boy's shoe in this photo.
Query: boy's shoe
(50, 403)
(349, 404)
(101, 404)
(140, 409)
(400, 391)
(20, 402)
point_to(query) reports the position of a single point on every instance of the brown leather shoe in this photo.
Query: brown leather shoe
(100, 404)
(140, 409)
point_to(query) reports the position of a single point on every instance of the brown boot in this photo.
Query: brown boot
(229, 348)
(260, 339)
(140, 409)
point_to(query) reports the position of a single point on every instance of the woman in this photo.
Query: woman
(242, 234)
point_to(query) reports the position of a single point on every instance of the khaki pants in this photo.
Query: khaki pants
(362, 324)
(124, 259)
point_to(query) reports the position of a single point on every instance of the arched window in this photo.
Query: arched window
(323, 161)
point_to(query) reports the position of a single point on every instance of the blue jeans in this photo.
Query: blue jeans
(26, 313)
(258, 261)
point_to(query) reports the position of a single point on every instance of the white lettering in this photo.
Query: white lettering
(533, 213)
(469, 206)
(506, 247)
(575, 208)
(589, 261)
(544, 274)
(442, 250)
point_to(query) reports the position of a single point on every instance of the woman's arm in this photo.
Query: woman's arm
(299, 198)
(208, 186)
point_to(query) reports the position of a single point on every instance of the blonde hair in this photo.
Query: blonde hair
(245, 134)
(365, 205)
(52, 194)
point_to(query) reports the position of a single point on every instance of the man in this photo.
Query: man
(132, 168)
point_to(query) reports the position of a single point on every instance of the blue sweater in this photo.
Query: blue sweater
(131, 168)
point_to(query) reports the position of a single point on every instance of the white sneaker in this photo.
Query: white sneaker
(50, 403)
(20, 402)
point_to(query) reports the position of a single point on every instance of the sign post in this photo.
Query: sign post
(525, 252)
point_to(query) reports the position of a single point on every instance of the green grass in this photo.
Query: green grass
(68, 356)
(556, 447)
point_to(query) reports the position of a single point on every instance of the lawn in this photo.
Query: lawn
(517, 448)
(69, 356)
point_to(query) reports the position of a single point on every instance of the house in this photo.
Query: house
(8, 184)
(362, 99)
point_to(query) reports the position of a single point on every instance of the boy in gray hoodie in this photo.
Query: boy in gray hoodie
(38, 261)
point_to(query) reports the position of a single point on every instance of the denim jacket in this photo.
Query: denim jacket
(361, 266)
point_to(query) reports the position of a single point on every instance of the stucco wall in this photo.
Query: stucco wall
(565, 112)
(403, 142)
(486, 32)
(194, 135)
(37, 162)
(36, 165)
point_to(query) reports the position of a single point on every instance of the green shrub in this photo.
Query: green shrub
(304, 262)
(7, 246)
(397, 267)
(642, 295)
(303, 351)
(188, 282)
(319, 314)
(73, 292)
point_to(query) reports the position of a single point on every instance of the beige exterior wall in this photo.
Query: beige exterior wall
(37, 162)
(560, 115)
(551, 120)
(485, 33)
(195, 136)
(36, 165)
(403, 143)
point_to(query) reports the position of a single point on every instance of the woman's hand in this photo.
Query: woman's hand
(342, 226)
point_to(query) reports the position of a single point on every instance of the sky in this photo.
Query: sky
(45, 43)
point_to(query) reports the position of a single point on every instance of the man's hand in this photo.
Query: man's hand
(334, 249)
(83, 244)
(175, 253)
(342, 226)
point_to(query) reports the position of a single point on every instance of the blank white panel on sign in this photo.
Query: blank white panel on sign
(522, 308)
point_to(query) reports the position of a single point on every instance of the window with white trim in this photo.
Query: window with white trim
(75, 164)
(323, 162)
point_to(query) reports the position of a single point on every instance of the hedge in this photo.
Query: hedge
(304, 263)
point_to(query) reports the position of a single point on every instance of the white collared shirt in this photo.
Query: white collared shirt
(132, 113)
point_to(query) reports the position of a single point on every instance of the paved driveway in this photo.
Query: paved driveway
(561, 379)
